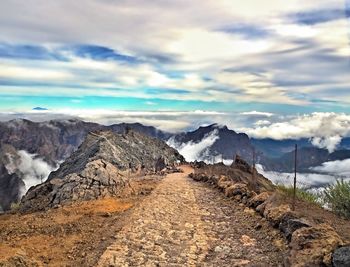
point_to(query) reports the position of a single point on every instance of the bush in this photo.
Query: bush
(337, 197)
(301, 194)
(14, 206)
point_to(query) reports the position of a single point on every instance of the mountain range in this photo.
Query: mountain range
(55, 141)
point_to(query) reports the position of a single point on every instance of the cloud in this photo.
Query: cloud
(324, 129)
(195, 151)
(304, 180)
(338, 167)
(270, 49)
(257, 113)
(33, 170)
(330, 142)
(317, 16)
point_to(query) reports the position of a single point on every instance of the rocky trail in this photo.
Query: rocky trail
(185, 223)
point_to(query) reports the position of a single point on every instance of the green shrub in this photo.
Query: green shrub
(14, 206)
(301, 194)
(337, 197)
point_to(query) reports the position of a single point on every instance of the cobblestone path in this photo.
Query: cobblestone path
(185, 223)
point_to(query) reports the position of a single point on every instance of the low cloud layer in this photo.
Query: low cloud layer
(34, 170)
(304, 180)
(195, 151)
(338, 167)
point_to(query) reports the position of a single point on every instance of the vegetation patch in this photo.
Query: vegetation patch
(337, 198)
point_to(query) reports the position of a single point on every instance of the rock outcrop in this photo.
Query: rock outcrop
(10, 182)
(313, 246)
(101, 167)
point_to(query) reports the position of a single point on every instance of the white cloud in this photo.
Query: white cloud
(257, 113)
(33, 170)
(304, 180)
(196, 45)
(195, 151)
(330, 142)
(325, 129)
(338, 167)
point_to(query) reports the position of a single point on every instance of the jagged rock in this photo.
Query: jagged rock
(236, 189)
(224, 182)
(341, 257)
(275, 214)
(241, 164)
(313, 246)
(100, 168)
(290, 223)
(258, 199)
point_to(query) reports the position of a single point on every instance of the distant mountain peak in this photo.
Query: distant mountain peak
(39, 108)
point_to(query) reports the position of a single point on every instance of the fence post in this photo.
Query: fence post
(295, 177)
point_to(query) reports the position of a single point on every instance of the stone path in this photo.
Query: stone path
(185, 223)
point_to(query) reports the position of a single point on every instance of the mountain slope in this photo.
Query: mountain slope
(100, 168)
(55, 140)
(227, 142)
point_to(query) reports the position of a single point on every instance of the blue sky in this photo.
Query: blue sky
(205, 58)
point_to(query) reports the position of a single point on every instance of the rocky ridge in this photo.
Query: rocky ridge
(101, 167)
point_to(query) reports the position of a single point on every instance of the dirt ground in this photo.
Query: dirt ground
(73, 235)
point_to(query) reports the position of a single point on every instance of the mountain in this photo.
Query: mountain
(276, 148)
(225, 142)
(55, 140)
(100, 168)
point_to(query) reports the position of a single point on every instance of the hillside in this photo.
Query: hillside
(101, 167)
(227, 142)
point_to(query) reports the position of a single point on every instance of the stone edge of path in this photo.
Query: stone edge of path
(310, 244)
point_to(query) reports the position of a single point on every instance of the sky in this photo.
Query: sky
(278, 69)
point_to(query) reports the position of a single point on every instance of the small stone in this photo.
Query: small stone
(341, 257)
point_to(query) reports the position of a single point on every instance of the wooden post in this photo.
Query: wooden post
(295, 177)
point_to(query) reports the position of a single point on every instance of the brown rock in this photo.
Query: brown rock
(224, 182)
(313, 246)
(275, 214)
(236, 189)
(258, 199)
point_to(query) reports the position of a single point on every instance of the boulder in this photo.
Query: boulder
(290, 223)
(341, 257)
(258, 199)
(224, 182)
(275, 214)
(313, 246)
(236, 189)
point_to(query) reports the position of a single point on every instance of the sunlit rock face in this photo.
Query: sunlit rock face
(100, 168)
